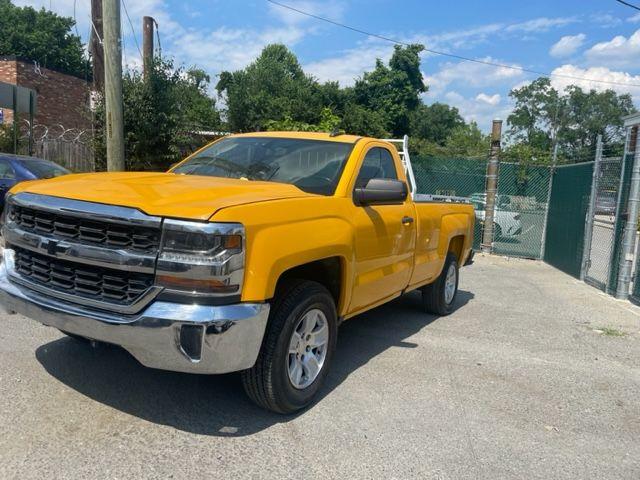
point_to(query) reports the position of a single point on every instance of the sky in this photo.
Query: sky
(592, 39)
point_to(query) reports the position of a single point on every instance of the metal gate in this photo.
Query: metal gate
(568, 206)
(600, 234)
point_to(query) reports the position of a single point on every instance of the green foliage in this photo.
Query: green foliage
(328, 123)
(359, 120)
(42, 36)
(526, 154)
(271, 88)
(160, 114)
(394, 91)
(435, 122)
(574, 118)
(6, 138)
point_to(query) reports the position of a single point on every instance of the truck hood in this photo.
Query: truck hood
(161, 194)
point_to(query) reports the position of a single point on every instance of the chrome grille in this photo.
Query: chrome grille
(114, 235)
(99, 284)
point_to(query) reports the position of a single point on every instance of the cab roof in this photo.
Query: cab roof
(303, 135)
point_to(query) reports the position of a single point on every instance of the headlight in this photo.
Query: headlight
(202, 262)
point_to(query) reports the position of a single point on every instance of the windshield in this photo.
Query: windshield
(44, 168)
(314, 166)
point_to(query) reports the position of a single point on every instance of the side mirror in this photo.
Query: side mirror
(381, 191)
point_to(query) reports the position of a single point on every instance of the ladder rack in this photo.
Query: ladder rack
(406, 160)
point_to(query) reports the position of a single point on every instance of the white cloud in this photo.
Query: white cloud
(620, 51)
(605, 20)
(478, 109)
(626, 80)
(489, 99)
(567, 45)
(634, 19)
(351, 64)
(471, 74)
(542, 24)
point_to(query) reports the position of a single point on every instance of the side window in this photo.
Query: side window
(378, 163)
(6, 170)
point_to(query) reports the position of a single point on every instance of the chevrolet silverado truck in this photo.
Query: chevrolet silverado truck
(244, 257)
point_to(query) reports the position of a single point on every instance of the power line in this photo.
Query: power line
(628, 4)
(451, 55)
(133, 32)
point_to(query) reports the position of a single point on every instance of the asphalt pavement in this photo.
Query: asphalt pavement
(535, 376)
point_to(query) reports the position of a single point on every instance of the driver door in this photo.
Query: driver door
(384, 238)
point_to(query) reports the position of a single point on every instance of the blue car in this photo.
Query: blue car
(18, 168)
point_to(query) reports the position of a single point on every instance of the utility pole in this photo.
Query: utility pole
(147, 45)
(95, 45)
(492, 186)
(113, 85)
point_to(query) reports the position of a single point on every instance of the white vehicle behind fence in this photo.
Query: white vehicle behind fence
(506, 223)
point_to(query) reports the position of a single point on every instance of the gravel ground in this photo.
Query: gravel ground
(534, 376)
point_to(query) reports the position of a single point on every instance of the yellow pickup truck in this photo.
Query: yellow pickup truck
(244, 257)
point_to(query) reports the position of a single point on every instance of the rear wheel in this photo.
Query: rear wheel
(438, 297)
(297, 349)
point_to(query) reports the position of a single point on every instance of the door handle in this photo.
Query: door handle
(407, 220)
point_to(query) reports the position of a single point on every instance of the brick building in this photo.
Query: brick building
(62, 99)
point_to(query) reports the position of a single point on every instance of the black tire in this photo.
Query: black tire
(433, 295)
(267, 382)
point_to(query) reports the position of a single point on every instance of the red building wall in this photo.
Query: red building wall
(62, 99)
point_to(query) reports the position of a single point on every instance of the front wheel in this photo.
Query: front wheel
(438, 297)
(297, 349)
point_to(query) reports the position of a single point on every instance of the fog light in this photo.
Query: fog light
(191, 337)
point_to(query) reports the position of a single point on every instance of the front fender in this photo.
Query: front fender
(274, 249)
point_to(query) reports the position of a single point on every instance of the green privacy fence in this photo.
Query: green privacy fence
(520, 212)
(460, 177)
(568, 206)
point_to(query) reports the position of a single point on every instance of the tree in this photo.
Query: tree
(43, 37)
(328, 123)
(467, 141)
(160, 115)
(394, 91)
(573, 119)
(435, 122)
(271, 88)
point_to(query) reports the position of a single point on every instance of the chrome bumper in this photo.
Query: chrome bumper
(168, 336)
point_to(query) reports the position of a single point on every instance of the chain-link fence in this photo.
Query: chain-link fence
(600, 235)
(459, 177)
(521, 207)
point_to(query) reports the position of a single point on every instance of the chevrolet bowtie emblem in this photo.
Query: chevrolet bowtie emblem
(52, 247)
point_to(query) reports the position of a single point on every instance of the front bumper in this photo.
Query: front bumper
(165, 335)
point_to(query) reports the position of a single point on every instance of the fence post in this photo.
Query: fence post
(552, 171)
(588, 230)
(631, 225)
(491, 186)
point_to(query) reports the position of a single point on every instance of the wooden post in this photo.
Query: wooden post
(147, 45)
(95, 45)
(113, 85)
(15, 120)
(491, 186)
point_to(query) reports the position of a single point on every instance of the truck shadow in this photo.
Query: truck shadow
(217, 405)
